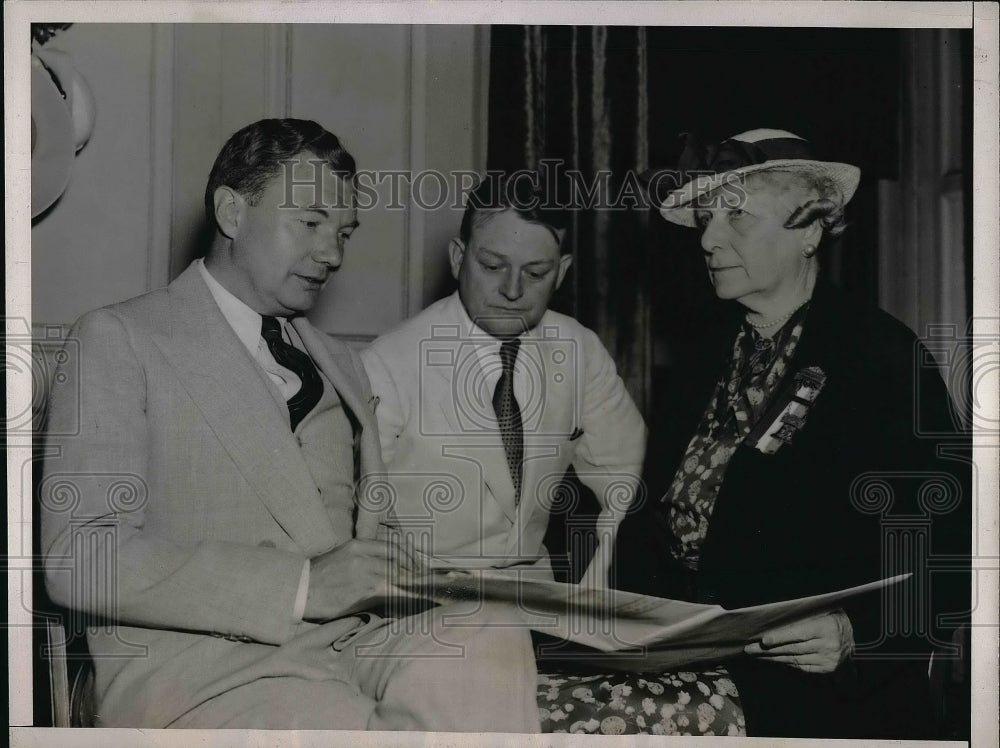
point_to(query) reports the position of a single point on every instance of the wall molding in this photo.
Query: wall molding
(481, 96)
(161, 158)
(277, 51)
(416, 222)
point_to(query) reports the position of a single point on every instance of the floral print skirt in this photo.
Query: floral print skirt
(668, 703)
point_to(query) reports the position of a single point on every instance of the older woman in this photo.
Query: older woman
(796, 454)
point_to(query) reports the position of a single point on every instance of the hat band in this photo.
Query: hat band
(697, 159)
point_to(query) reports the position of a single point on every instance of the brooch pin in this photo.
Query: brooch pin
(793, 409)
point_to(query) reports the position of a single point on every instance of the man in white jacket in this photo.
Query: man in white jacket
(486, 397)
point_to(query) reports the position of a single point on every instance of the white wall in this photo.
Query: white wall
(168, 96)
(91, 248)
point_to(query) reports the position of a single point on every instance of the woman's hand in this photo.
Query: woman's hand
(815, 645)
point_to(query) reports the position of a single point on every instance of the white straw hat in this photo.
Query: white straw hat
(749, 153)
(62, 119)
(51, 139)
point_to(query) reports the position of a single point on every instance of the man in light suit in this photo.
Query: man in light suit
(486, 397)
(209, 516)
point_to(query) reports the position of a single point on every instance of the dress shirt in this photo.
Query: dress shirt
(246, 324)
(528, 382)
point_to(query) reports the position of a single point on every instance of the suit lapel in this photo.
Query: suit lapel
(451, 359)
(468, 412)
(822, 333)
(340, 369)
(442, 378)
(548, 425)
(496, 472)
(232, 393)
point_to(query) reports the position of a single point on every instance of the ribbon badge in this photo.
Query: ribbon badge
(793, 409)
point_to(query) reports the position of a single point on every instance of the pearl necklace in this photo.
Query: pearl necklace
(772, 323)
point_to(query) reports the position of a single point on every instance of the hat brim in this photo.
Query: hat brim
(52, 150)
(677, 206)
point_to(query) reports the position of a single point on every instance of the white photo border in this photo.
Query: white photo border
(18, 14)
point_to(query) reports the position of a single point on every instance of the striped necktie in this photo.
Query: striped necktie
(297, 362)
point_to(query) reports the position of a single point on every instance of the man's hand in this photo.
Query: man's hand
(367, 524)
(815, 645)
(354, 575)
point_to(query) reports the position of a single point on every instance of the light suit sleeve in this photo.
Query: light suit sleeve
(100, 558)
(611, 450)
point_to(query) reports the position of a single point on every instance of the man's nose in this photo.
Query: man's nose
(511, 287)
(330, 252)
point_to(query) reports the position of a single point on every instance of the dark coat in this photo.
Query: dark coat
(811, 519)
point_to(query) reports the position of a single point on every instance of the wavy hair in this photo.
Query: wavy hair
(827, 208)
(252, 157)
(525, 193)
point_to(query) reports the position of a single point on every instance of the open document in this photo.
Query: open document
(626, 630)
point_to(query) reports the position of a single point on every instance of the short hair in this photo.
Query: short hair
(527, 194)
(827, 207)
(252, 157)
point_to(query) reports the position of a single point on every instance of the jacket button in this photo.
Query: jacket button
(267, 544)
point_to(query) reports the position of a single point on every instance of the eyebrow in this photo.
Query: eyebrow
(502, 256)
(326, 214)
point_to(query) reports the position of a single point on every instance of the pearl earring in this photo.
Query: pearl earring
(808, 251)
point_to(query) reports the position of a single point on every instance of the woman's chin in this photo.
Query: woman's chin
(726, 293)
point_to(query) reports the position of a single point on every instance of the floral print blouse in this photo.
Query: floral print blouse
(757, 366)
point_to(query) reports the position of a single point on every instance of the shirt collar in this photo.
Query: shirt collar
(244, 320)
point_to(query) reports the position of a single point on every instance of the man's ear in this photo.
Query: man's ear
(564, 262)
(456, 253)
(229, 208)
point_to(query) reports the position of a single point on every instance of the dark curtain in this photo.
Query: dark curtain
(579, 95)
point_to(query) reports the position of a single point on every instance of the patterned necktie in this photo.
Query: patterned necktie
(295, 361)
(509, 415)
